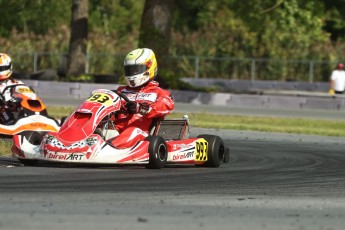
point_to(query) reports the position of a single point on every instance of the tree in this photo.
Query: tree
(334, 20)
(155, 28)
(77, 54)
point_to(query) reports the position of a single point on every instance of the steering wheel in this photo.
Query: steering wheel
(122, 95)
(2, 96)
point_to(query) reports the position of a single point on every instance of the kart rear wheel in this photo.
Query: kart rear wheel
(216, 152)
(158, 152)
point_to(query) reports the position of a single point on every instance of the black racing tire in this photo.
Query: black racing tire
(158, 152)
(216, 152)
(27, 162)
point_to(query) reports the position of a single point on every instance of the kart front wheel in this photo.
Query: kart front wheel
(216, 152)
(158, 152)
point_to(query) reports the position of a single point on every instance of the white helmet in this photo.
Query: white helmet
(5, 66)
(140, 67)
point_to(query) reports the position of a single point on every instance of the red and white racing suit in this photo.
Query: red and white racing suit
(135, 127)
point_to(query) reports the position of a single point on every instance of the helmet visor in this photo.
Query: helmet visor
(6, 67)
(131, 70)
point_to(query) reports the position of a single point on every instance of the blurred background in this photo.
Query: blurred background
(252, 40)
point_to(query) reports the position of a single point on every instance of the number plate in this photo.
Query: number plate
(100, 98)
(201, 150)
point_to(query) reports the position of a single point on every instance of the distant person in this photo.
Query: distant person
(338, 80)
(7, 102)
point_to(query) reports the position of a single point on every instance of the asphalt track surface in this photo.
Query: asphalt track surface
(273, 181)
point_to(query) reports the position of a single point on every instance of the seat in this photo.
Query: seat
(171, 129)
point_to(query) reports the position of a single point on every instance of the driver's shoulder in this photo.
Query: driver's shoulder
(11, 81)
(16, 81)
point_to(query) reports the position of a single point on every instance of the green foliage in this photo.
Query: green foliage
(48, 47)
(296, 30)
(114, 25)
(267, 29)
(35, 16)
(252, 28)
(334, 19)
(110, 16)
(264, 29)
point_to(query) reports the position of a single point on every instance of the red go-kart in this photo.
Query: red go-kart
(83, 138)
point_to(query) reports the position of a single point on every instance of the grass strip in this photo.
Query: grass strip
(320, 127)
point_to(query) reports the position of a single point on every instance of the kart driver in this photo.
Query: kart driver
(7, 102)
(147, 100)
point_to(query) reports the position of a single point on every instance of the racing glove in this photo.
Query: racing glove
(144, 108)
(131, 107)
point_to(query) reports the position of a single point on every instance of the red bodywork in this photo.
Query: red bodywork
(78, 141)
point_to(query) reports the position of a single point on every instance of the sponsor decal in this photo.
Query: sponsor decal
(56, 156)
(38, 125)
(183, 156)
(130, 95)
(67, 157)
(75, 157)
(140, 96)
(181, 146)
(23, 90)
(147, 96)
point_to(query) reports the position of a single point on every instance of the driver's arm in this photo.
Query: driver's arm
(162, 106)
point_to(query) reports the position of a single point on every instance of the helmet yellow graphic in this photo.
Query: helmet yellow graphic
(140, 67)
